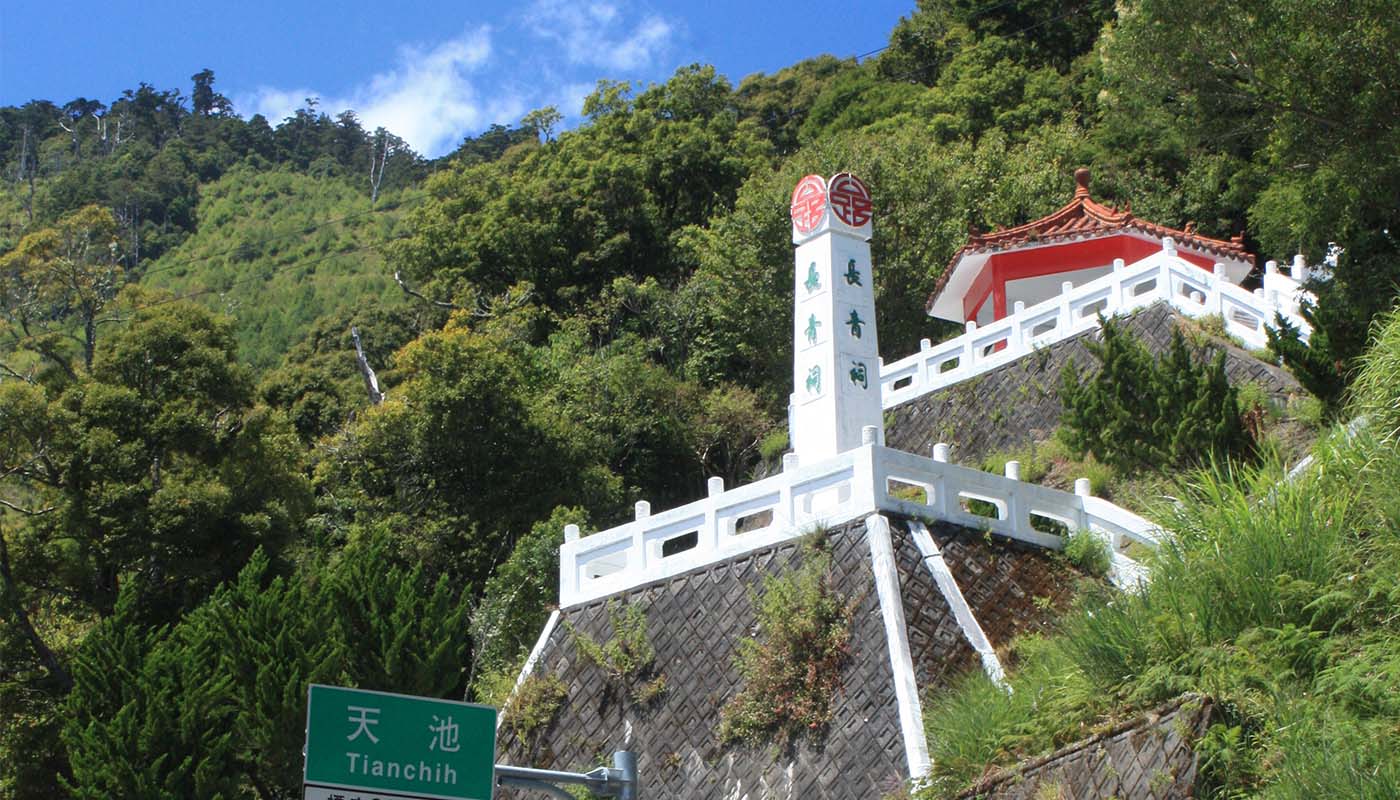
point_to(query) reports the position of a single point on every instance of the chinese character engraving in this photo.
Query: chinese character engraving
(814, 281)
(444, 735)
(814, 380)
(856, 323)
(808, 203)
(858, 375)
(852, 274)
(812, 324)
(850, 199)
(364, 722)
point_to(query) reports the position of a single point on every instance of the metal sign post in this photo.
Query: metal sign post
(620, 781)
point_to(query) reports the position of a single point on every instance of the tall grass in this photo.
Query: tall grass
(1281, 598)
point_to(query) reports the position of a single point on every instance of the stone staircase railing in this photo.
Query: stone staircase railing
(1163, 276)
(867, 480)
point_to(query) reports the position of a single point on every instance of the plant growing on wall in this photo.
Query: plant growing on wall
(792, 669)
(1144, 411)
(534, 705)
(627, 657)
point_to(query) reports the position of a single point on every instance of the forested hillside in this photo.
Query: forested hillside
(204, 508)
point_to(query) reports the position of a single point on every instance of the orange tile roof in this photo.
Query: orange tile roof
(1084, 218)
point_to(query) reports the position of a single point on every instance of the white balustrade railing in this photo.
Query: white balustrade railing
(1163, 276)
(869, 479)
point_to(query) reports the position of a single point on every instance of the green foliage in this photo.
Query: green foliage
(516, 601)
(265, 254)
(533, 705)
(216, 705)
(1142, 411)
(792, 669)
(599, 202)
(1375, 393)
(1089, 552)
(156, 463)
(1274, 597)
(627, 657)
(1267, 86)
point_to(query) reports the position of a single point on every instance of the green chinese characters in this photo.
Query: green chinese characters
(814, 380)
(814, 281)
(859, 374)
(812, 324)
(856, 323)
(852, 275)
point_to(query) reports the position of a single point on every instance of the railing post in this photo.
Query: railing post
(1018, 328)
(1217, 290)
(865, 494)
(569, 584)
(1082, 489)
(714, 487)
(1013, 501)
(1164, 278)
(643, 510)
(1066, 323)
(969, 351)
(787, 506)
(1117, 297)
(923, 374)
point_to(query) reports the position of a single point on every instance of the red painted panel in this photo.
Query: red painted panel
(979, 290)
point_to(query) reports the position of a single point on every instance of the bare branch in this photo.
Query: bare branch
(376, 395)
(28, 512)
(413, 293)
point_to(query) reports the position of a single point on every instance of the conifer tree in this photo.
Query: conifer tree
(1142, 411)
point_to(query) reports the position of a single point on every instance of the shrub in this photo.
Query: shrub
(1088, 552)
(1143, 411)
(793, 668)
(627, 657)
(534, 705)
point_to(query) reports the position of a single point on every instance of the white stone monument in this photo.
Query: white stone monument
(836, 361)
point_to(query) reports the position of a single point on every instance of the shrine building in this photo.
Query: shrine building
(1029, 263)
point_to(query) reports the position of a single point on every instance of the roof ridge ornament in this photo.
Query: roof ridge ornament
(1081, 181)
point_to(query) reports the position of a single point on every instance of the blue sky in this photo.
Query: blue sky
(433, 72)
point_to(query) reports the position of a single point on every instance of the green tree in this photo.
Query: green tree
(62, 278)
(1143, 411)
(516, 603)
(1293, 90)
(156, 465)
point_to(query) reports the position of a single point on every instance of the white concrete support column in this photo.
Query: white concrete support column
(531, 661)
(836, 366)
(962, 612)
(906, 686)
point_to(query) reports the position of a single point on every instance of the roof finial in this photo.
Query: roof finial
(1081, 180)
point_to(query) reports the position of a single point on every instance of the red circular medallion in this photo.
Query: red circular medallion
(808, 203)
(850, 199)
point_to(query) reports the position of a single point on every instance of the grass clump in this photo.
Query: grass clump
(792, 669)
(533, 705)
(1088, 552)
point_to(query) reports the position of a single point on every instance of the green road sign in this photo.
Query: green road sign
(363, 745)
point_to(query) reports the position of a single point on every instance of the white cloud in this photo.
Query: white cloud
(275, 104)
(597, 35)
(433, 96)
(428, 98)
